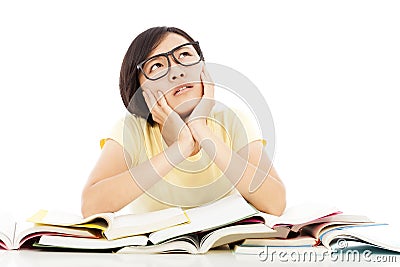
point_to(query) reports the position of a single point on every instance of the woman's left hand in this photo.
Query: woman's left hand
(202, 110)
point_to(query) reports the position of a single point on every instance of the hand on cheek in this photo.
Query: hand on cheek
(173, 128)
(202, 111)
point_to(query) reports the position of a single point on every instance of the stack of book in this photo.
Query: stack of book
(228, 221)
(195, 230)
(319, 229)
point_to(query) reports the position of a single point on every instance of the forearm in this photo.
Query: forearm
(269, 196)
(113, 193)
(253, 181)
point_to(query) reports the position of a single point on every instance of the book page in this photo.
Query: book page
(25, 230)
(91, 243)
(132, 220)
(178, 246)
(316, 230)
(219, 213)
(295, 241)
(303, 213)
(335, 218)
(135, 224)
(97, 221)
(7, 228)
(235, 233)
(381, 235)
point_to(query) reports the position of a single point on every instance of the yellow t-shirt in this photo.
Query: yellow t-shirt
(195, 181)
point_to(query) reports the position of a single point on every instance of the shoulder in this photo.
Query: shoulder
(128, 132)
(240, 124)
(132, 120)
(232, 115)
(125, 127)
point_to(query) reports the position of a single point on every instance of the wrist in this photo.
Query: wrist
(186, 147)
(197, 124)
(199, 131)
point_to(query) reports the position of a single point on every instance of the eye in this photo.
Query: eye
(155, 66)
(184, 54)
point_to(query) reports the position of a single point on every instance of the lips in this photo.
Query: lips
(182, 89)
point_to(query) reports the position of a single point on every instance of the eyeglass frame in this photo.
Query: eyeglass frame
(166, 54)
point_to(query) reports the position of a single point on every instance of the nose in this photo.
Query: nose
(174, 77)
(176, 71)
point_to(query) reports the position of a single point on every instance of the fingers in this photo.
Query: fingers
(153, 101)
(207, 75)
(207, 102)
(208, 84)
(163, 102)
(150, 99)
(157, 105)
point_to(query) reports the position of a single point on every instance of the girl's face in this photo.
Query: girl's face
(178, 77)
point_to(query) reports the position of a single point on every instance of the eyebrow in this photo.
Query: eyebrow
(155, 54)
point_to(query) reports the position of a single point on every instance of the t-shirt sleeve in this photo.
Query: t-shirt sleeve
(115, 133)
(125, 132)
(245, 129)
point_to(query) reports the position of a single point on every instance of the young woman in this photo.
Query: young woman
(175, 148)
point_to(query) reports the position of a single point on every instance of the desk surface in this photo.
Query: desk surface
(221, 257)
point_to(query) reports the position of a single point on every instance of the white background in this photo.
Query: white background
(328, 70)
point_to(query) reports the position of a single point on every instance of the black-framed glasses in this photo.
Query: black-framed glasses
(158, 66)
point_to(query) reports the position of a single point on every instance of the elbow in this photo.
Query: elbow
(275, 206)
(85, 210)
(88, 208)
(87, 204)
(278, 208)
(94, 201)
(279, 205)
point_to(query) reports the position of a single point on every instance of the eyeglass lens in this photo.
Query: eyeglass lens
(157, 67)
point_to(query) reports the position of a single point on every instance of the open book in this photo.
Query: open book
(199, 243)
(312, 235)
(381, 235)
(297, 216)
(224, 221)
(304, 230)
(330, 237)
(14, 234)
(114, 227)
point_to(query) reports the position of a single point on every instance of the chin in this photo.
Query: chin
(184, 104)
(184, 109)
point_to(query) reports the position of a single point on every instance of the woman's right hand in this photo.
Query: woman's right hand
(173, 128)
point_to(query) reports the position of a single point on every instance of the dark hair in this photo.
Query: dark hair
(138, 51)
